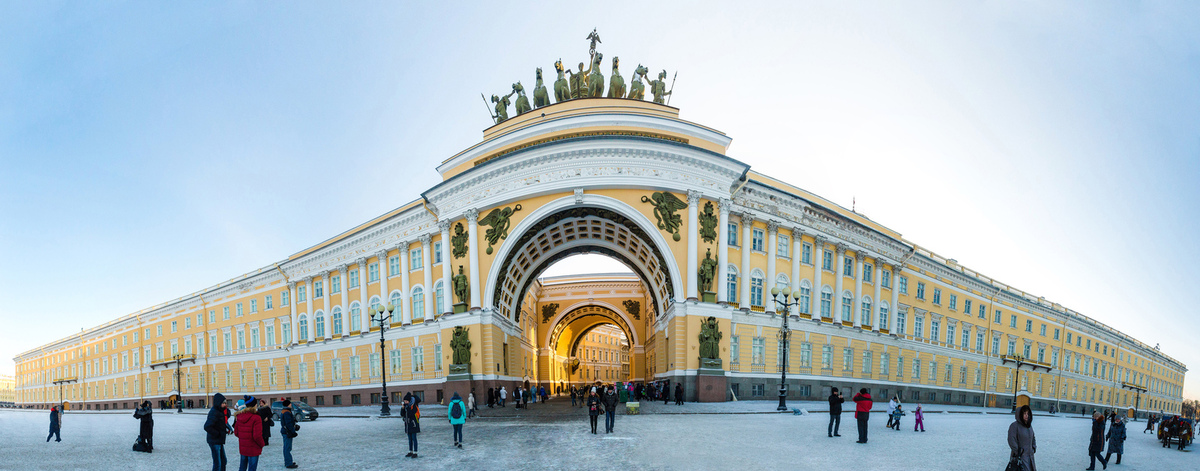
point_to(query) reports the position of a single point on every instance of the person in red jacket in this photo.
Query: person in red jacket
(247, 426)
(862, 410)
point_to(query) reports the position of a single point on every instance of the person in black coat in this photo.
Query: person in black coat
(288, 428)
(1096, 445)
(146, 428)
(678, 394)
(593, 405)
(217, 427)
(268, 420)
(55, 425)
(835, 412)
(610, 409)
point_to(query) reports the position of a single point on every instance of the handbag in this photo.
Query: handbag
(1015, 463)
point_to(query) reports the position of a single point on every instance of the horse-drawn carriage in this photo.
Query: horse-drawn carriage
(1175, 431)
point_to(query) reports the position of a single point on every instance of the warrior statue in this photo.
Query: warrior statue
(710, 339)
(659, 87)
(522, 101)
(708, 271)
(579, 83)
(595, 77)
(501, 107)
(460, 343)
(540, 97)
(462, 287)
(616, 84)
(562, 91)
(637, 90)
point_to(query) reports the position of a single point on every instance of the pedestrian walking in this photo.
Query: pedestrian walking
(491, 398)
(1149, 424)
(920, 416)
(517, 397)
(610, 409)
(471, 406)
(503, 395)
(217, 428)
(55, 425)
(678, 394)
(891, 408)
(247, 427)
(544, 395)
(593, 405)
(1116, 439)
(458, 416)
(145, 440)
(1096, 444)
(572, 397)
(268, 420)
(665, 392)
(1021, 439)
(525, 398)
(835, 412)
(289, 429)
(411, 413)
(862, 412)
(896, 415)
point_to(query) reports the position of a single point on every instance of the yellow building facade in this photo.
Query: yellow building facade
(631, 180)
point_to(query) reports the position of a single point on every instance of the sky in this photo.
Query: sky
(152, 149)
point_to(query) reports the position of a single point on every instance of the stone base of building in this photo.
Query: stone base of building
(461, 384)
(711, 385)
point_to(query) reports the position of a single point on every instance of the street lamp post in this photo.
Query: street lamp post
(177, 360)
(1020, 361)
(784, 333)
(1138, 390)
(377, 315)
(60, 384)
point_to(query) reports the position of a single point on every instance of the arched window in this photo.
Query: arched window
(418, 303)
(438, 307)
(883, 316)
(756, 287)
(303, 328)
(355, 317)
(847, 305)
(805, 297)
(826, 301)
(397, 301)
(864, 316)
(337, 320)
(783, 283)
(319, 325)
(731, 284)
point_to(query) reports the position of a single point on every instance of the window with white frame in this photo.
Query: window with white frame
(439, 296)
(903, 283)
(731, 284)
(827, 357)
(758, 349)
(318, 291)
(415, 260)
(866, 362)
(884, 310)
(437, 252)
(394, 265)
(806, 355)
(885, 278)
(336, 320)
(885, 364)
(372, 272)
(847, 305)
(848, 267)
(756, 242)
(900, 323)
(847, 359)
(826, 301)
(935, 330)
(919, 326)
(355, 317)
(783, 245)
(418, 303)
(418, 359)
(864, 315)
(335, 284)
(868, 273)
(806, 253)
(950, 334)
(937, 296)
(805, 297)
(953, 302)
(732, 231)
(734, 350)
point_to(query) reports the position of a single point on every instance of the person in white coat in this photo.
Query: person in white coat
(892, 408)
(503, 395)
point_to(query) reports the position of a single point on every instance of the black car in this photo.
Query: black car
(301, 410)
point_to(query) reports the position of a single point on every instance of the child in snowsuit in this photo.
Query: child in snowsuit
(896, 415)
(920, 416)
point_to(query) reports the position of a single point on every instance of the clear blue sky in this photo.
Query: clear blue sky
(151, 149)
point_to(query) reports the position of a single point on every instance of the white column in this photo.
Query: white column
(325, 296)
(876, 277)
(839, 251)
(772, 252)
(747, 246)
(345, 294)
(797, 252)
(430, 295)
(383, 277)
(365, 320)
(856, 307)
(447, 286)
(472, 250)
(292, 301)
(693, 245)
(722, 251)
(895, 298)
(405, 306)
(818, 270)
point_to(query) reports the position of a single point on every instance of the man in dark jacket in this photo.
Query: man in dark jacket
(146, 430)
(216, 428)
(678, 394)
(610, 409)
(266, 414)
(288, 428)
(55, 425)
(862, 410)
(835, 412)
(1096, 444)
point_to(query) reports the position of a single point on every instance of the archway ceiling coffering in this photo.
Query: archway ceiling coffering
(589, 316)
(580, 230)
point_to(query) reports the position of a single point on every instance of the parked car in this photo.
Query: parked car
(301, 410)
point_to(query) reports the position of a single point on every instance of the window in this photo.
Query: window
(937, 296)
(337, 369)
(283, 298)
(1025, 353)
(437, 252)
(981, 311)
(302, 294)
(1069, 338)
(756, 288)
(782, 244)
(224, 313)
(966, 306)
(827, 357)
(335, 284)
(933, 371)
(756, 242)
(919, 326)
(866, 362)
(415, 261)
(806, 355)
(437, 357)
(734, 351)
(372, 272)
(916, 369)
(355, 367)
(187, 324)
(935, 330)
(239, 310)
(438, 296)
(883, 314)
(758, 351)
(847, 359)
(319, 325)
(270, 335)
(397, 366)
(885, 278)
(254, 337)
(319, 371)
(827, 261)
(253, 306)
(286, 330)
(900, 323)
(1055, 334)
(1029, 326)
(418, 359)
(174, 326)
(1012, 347)
(394, 265)
(806, 253)
(826, 302)
(303, 328)
(732, 231)
(1043, 329)
(950, 334)
(1041, 353)
(418, 303)
(1012, 321)
(996, 316)
(864, 315)
(966, 337)
(995, 345)
(848, 267)
(805, 297)
(352, 279)
(953, 302)
(920, 290)
(731, 284)
(884, 364)
(355, 317)
(868, 273)
(847, 303)
(900, 366)
(336, 321)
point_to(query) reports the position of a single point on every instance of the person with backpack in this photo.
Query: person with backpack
(145, 440)
(895, 417)
(247, 427)
(458, 417)
(920, 417)
(288, 428)
(217, 428)
(593, 406)
(411, 413)
(545, 396)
